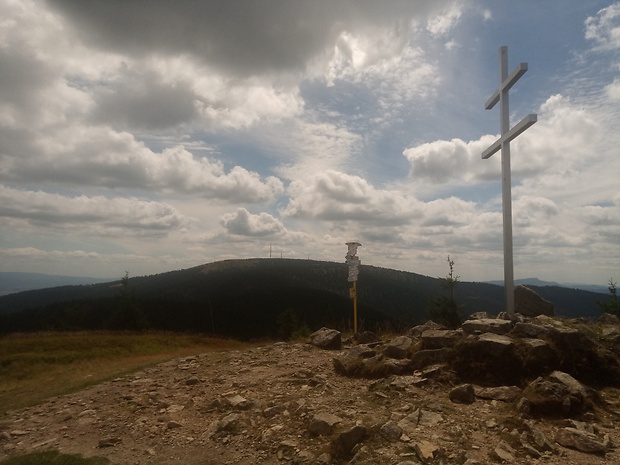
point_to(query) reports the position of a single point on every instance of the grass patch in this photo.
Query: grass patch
(53, 458)
(37, 366)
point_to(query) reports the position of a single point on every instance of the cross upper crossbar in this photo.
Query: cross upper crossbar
(506, 85)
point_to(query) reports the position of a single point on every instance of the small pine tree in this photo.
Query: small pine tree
(128, 314)
(613, 306)
(445, 310)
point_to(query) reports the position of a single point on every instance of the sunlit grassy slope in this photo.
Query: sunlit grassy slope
(37, 366)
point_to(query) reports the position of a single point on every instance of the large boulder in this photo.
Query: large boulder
(529, 303)
(557, 395)
(326, 338)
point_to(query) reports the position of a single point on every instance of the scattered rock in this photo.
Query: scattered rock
(238, 402)
(502, 393)
(391, 431)
(109, 442)
(323, 424)
(504, 452)
(417, 331)
(342, 445)
(580, 440)
(427, 451)
(608, 319)
(366, 337)
(479, 316)
(290, 403)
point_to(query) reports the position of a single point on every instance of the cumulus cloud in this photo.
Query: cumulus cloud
(243, 223)
(336, 196)
(98, 156)
(559, 142)
(117, 216)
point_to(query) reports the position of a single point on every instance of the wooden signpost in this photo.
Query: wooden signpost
(354, 262)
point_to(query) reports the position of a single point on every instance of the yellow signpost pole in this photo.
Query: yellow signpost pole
(355, 307)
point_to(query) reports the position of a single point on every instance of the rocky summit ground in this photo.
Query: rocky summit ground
(285, 403)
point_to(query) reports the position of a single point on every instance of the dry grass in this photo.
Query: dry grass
(35, 367)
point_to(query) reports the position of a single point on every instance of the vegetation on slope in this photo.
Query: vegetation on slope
(254, 298)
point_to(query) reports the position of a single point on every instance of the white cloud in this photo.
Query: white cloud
(243, 223)
(604, 28)
(440, 25)
(99, 156)
(336, 196)
(89, 215)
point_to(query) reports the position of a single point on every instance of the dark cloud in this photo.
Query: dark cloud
(21, 77)
(245, 37)
(142, 102)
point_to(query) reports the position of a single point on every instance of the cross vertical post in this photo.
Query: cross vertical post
(506, 81)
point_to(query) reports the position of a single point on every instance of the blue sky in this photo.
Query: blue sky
(162, 135)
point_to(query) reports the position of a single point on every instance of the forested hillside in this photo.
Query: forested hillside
(257, 298)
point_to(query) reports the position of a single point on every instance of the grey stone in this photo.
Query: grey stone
(529, 303)
(580, 440)
(426, 450)
(342, 445)
(391, 431)
(322, 424)
(439, 338)
(479, 316)
(326, 338)
(494, 344)
(558, 394)
(417, 331)
(501, 393)
(494, 326)
(192, 381)
(398, 347)
(525, 329)
(323, 459)
(463, 394)
(505, 452)
(367, 337)
(608, 319)
(238, 402)
(424, 358)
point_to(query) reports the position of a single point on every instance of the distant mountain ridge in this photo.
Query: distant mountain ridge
(253, 297)
(11, 282)
(541, 283)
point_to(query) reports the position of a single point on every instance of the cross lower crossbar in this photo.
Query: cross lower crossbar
(506, 85)
(510, 135)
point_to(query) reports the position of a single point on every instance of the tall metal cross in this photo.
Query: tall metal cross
(501, 95)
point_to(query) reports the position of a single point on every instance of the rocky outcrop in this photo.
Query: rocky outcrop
(300, 404)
